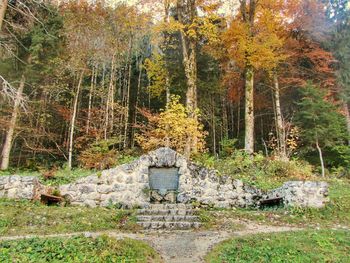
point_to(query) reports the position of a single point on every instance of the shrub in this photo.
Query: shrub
(258, 170)
(100, 155)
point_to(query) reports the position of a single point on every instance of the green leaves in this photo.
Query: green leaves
(319, 119)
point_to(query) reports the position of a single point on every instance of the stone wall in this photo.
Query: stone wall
(302, 194)
(128, 185)
(19, 187)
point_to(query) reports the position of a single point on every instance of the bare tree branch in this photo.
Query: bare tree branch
(10, 93)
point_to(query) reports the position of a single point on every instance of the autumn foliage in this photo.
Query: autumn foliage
(171, 128)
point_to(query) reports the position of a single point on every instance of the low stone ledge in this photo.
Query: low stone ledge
(302, 194)
(19, 187)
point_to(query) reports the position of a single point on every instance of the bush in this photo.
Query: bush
(100, 155)
(258, 170)
(173, 127)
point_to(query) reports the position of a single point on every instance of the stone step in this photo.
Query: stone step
(165, 212)
(169, 206)
(168, 225)
(167, 218)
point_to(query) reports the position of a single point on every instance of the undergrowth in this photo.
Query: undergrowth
(303, 246)
(257, 170)
(25, 217)
(77, 249)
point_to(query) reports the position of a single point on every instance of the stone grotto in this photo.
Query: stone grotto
(164, 176)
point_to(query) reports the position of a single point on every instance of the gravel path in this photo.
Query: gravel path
(176, 246)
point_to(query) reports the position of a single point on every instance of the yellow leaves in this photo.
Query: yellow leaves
(157, 75)
(259, 45)
(170, 27)
(173, 128)
(293, 138)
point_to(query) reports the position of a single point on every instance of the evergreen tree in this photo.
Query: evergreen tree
(322, 126)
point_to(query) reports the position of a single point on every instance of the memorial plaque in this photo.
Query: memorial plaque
(164, 179)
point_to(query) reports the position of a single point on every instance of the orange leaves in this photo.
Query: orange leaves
(262, 49)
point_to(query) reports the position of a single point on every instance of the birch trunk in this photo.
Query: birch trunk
(249, 110)
(71, 134)
(321, 158)
(3, 7)
(6, 150)
(279, 121)
(90, 100)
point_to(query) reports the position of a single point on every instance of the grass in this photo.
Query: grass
(77, 249)
(335, 214)
(24, 217)
(257, 170)
(301, 246)
(60, 177)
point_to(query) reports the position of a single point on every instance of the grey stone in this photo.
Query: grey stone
(129, 185)
(87, 188)
(104, 189)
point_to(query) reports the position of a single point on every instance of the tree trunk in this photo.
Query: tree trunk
(190, 64)
(136, 104)
(167, 91)
(321, 158)
(239, 116)
(249, 110)
(90, 100)
(213, 124)
(347, 118)
(279, 121)
(3, 7)
(71, 135)
(224, 117)
(6, 150)
(186, 14)
(127, 106)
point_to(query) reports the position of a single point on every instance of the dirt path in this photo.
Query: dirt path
(176, 246)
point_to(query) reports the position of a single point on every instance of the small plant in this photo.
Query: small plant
(49, 174)
(146, 191)
(56, 192)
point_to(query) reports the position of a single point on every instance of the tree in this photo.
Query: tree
(35, 42)
(3, 7)
(322, 125)
(339, 13)
(253, 43)
(172, 128)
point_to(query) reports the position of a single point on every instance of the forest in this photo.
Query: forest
(95, 83)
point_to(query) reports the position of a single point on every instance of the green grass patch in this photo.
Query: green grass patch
(301, 246)
(77, 249)
(24, 217)
(335, 213)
